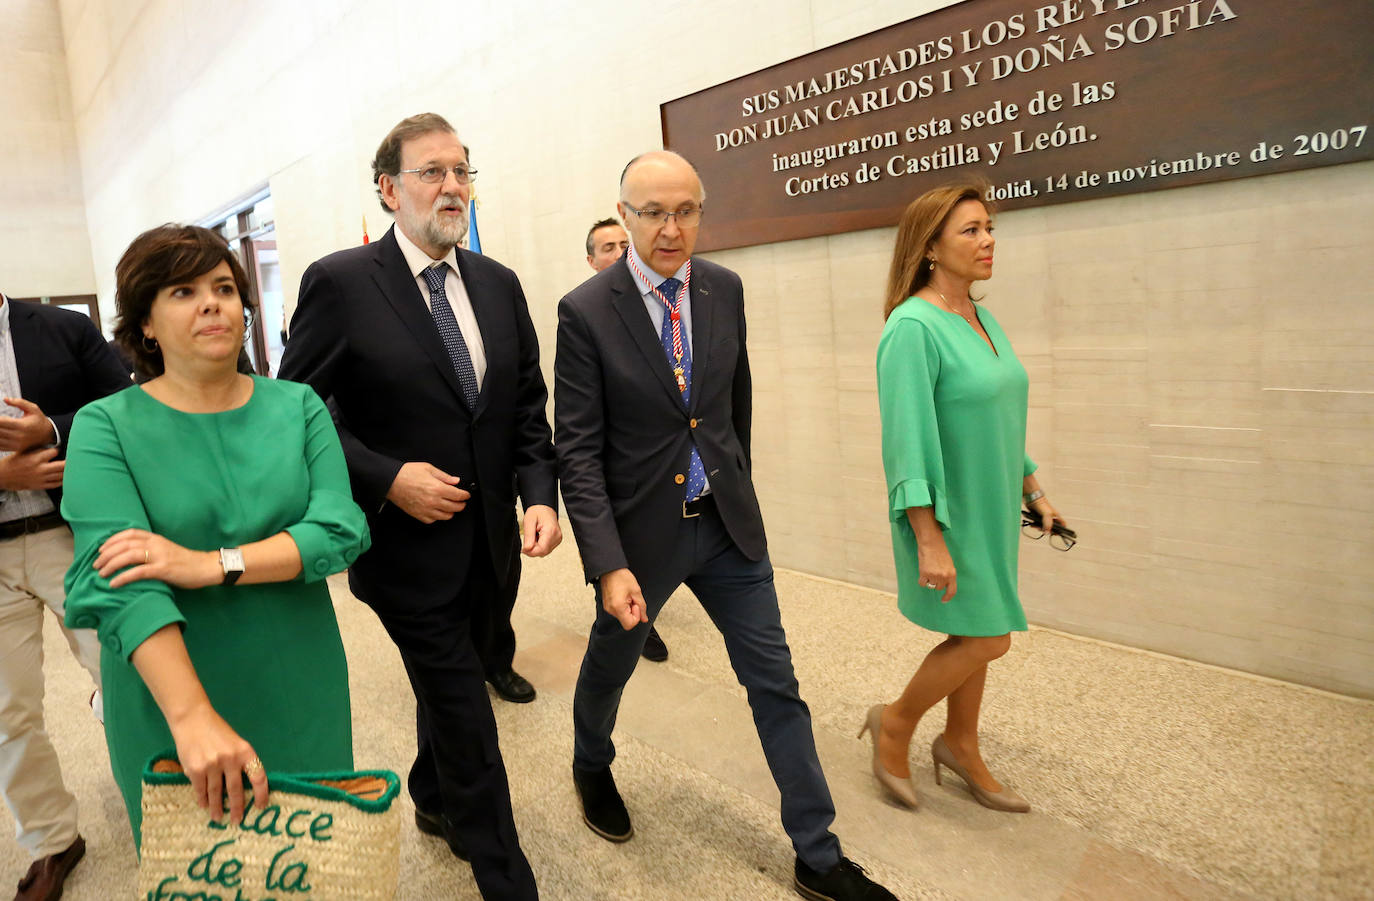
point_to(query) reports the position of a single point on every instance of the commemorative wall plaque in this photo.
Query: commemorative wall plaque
(1049, 102)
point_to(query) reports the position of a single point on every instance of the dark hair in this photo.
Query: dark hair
(388, 158)
(601, 223)
(162, 256)
(922, 222)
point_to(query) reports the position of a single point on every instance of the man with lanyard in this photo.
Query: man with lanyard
(52, 362)
(606, 243)
(652, 425)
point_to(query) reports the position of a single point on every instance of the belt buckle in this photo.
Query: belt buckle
(685, 514)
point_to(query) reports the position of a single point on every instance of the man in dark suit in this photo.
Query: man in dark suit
(653, 404)
(429, 358)
(606, 243)
(52, 363)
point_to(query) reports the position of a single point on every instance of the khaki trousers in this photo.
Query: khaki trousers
(32, 568)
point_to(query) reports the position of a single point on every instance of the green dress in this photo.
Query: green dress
(954, 437)
(269, 655)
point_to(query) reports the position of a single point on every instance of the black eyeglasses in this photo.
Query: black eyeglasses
(1062, 538)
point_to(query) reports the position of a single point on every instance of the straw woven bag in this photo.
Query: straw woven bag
(322, 837)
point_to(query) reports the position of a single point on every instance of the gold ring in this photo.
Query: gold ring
(253, 766)
(146, 556)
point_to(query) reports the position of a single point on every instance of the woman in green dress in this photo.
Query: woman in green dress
(953, 403)
(208, 506)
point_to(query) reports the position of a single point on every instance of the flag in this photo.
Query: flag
(474, 242)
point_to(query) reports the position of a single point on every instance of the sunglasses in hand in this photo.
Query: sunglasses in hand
(1062, 538)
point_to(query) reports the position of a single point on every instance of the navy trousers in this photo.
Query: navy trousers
(739, 596)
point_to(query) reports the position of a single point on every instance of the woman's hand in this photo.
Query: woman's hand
(1042, 508)
(214, 757)
(937, 567)
(144, 555)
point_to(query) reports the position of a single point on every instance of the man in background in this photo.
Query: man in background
(606, 243)
(52, 363)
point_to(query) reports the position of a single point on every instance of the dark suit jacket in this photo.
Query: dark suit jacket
(64, 364)
(622, 432)
(363, 337)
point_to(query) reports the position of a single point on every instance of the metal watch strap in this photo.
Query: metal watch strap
(1033, 496)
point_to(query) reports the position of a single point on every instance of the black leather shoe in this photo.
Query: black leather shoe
(511, 686)
(602, 810)
(654, 648)
(437, 824)
(846, 881)
(44, 880)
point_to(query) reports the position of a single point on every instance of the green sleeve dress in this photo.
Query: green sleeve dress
(954, 438)
(269, 655)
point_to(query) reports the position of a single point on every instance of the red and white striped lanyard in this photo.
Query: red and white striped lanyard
(674, 310)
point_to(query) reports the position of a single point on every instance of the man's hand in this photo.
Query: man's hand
(541, 531)
(621, 598)
(34, 470)
(30, 430)
(427, 493)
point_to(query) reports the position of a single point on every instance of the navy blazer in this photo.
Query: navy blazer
(63, 363)
(623, 435)
(363, 337)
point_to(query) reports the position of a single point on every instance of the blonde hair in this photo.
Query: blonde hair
(921, 223)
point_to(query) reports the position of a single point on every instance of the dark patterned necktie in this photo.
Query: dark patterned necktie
(449, 331)
(696, 472)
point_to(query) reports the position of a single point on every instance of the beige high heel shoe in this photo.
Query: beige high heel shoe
(1006, 800)
(899, 788)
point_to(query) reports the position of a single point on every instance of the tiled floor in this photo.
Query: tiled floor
(1151, 777)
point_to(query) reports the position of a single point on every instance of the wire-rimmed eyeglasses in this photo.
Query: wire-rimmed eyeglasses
(1062, 538)
(686, 217)
(432, 175)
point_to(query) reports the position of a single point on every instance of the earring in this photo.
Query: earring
(932, 265)
(153, 349)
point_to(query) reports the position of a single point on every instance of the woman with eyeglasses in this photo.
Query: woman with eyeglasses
(953, 399)
(208, 506)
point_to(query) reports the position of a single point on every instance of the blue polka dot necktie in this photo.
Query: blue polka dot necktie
(696, 472)
(448, 330)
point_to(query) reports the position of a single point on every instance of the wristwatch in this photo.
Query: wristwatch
(231, 560)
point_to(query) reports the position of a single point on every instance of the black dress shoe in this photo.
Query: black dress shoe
(437, 824)
(602, 810)
(44, 880)
(846, 881)
(654, 648)
(511, 686)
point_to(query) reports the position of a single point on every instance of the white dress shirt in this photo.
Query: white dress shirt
(457, 295)
(657, 311)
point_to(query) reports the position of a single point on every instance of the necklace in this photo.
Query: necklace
(967, 318)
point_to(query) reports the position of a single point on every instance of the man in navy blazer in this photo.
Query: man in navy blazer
(52, 363)
(428, 357)
(653, 407)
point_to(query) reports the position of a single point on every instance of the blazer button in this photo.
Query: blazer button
(679, 478)
(322, 566)
(693, 423)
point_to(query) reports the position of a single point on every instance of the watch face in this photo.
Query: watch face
(231, 558)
